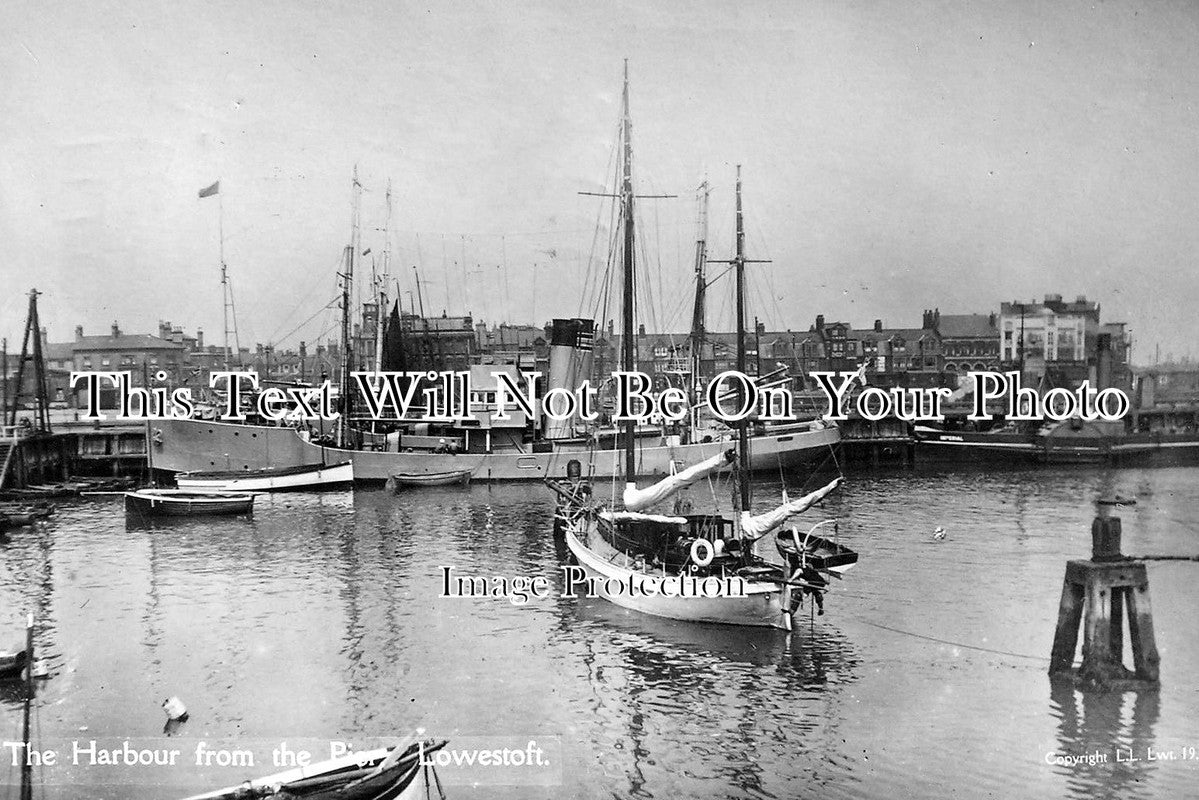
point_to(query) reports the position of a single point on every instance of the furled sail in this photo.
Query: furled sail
(636, 499)
(756, 527)
(633, 516)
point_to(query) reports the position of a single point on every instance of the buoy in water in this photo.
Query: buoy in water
(175, 709)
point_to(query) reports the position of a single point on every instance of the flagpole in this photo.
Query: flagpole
(220, 200)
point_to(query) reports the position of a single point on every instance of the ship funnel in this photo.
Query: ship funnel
(571, 351)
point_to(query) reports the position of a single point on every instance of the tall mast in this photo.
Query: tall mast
(382, 299)
(347, 281)
(742, 426)
(628, 356)
(739, 261)
(698, 322)
(220, 201)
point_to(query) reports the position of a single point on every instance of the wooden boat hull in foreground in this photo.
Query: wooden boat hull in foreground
(764, 604)
(12, 665)
(306, 477)
(180, 503)
(381, 774)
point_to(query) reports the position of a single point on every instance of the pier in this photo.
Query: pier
(31, 458)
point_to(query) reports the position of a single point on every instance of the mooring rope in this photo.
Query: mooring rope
(951, 643)
(1163, 558)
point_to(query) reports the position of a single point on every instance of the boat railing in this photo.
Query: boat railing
(14, 432)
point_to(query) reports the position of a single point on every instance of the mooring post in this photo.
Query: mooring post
(1096, 593)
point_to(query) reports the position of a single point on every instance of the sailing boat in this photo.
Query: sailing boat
(662, 564)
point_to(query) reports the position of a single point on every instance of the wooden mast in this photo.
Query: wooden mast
(628, 356)
(382, 285)
(347, 280)
(739, 261)
(698, 321)
(743, 425)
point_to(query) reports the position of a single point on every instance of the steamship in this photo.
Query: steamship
(493, 449)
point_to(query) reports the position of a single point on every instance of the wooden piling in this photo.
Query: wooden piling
(1095, 594)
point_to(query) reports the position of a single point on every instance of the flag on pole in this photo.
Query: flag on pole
(209, 191)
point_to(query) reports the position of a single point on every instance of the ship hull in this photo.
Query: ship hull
(1060, 447)
(184, 445)
(989, 448)
(762, 606)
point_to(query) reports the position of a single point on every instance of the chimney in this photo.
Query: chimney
(820, 322)
(78, 332)
(878, 324)
(199, 338)
(991, 319)
(641, 329)
(45, 337)
(303, 349)
(936, 318)
(116, 329)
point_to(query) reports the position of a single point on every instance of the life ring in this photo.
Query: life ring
(709, 552)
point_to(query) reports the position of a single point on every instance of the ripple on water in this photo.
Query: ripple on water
(318, 616)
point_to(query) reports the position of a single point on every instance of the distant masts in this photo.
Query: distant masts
(381, 284)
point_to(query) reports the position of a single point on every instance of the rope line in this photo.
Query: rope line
(951, 643)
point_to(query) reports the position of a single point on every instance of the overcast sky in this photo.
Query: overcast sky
(896, 156)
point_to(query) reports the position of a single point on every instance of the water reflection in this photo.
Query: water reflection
(750, 701)
(320, 616)
(1116, 725)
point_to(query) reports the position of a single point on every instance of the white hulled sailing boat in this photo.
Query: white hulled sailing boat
(695, 567)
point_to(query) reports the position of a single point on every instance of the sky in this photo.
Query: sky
(895, 157)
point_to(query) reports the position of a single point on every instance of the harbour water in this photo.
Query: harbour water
(319, 618)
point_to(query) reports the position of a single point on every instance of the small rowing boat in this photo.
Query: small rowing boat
(185, 503)
(275, 479)
(12, 663)
(457, 477)
(817, 552)
(392, 773)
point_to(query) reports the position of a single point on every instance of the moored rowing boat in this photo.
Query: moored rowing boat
(183, 503)
(276, 479)
(458, 477)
